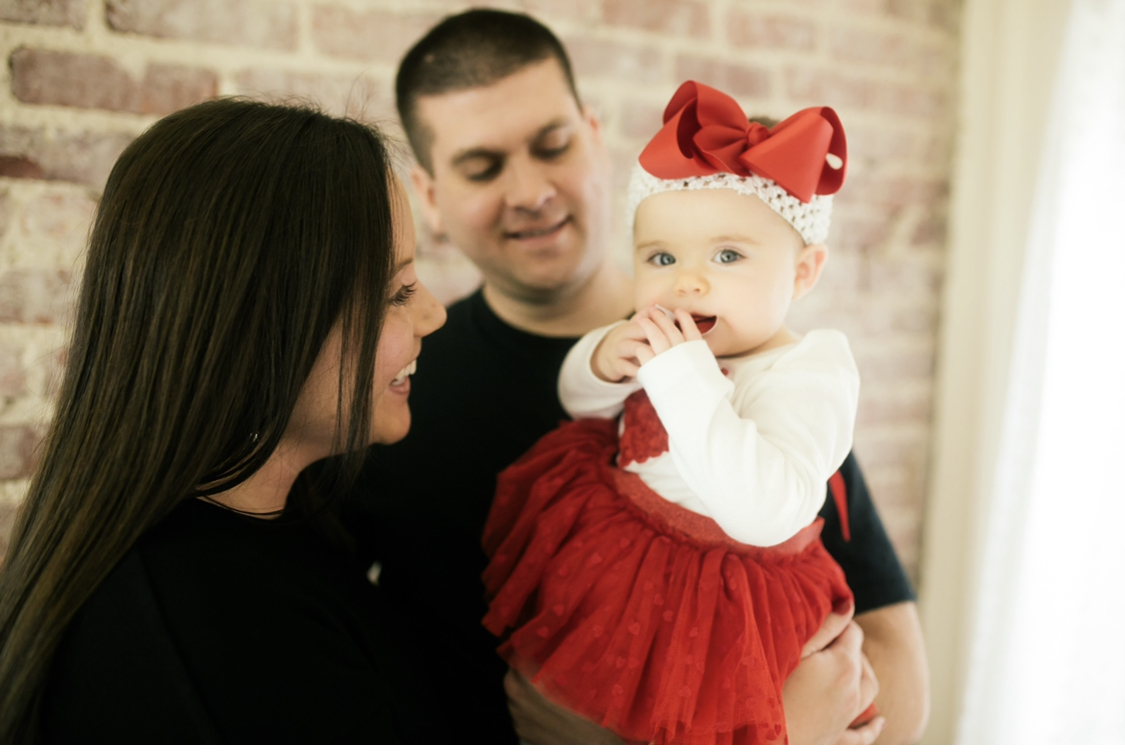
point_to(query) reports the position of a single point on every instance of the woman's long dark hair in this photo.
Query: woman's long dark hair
(231, 238)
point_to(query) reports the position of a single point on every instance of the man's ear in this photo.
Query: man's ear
(810, 262)
(593, 122)
(424, 188)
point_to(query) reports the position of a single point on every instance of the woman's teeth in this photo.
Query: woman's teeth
(407, 370)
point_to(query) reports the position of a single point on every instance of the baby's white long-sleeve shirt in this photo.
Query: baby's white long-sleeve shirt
(752, 449)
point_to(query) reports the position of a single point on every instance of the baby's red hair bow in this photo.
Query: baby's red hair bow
(705, 132)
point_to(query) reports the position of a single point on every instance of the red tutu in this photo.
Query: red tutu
(639, 614)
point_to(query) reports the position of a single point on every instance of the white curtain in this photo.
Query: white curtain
(1047, 660)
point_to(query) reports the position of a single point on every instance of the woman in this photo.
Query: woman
(246, 310)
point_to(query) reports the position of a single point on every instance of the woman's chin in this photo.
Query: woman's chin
(391, 426)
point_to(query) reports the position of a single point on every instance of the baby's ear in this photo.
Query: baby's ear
(810, 261)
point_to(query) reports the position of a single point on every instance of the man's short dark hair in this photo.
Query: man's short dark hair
(471, 49)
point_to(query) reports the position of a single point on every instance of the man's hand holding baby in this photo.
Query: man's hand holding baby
(631, 345)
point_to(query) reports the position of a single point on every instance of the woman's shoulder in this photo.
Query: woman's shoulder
(117, 675)
(238, 630)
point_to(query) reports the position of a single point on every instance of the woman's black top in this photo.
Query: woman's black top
(217, 627)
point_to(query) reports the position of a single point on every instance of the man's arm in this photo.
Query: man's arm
(893, 644)
(832, 685)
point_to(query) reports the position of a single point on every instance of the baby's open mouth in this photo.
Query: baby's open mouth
(704, 323)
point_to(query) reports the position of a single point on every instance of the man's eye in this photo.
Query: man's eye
(726, 256)
(662, 259)
(485, 173)
(549, 152)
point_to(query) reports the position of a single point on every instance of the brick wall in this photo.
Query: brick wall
(85, 76)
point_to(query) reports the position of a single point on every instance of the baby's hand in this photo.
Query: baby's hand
(662, 333)
(615, 358)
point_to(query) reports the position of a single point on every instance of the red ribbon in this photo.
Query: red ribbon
(705, 132)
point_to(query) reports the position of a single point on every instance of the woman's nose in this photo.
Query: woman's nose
(430, 313)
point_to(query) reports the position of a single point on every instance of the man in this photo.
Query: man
(512, 168)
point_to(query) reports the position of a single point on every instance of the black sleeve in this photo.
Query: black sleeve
(116, 677)
(873, 570)
(259, 638)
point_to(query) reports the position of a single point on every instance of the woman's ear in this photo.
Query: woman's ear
(810, 261)
(424, 187)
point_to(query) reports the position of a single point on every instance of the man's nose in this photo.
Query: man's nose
(529, 186)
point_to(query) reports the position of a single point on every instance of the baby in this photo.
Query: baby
(660, 574)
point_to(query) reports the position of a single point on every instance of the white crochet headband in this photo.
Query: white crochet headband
(810, 219)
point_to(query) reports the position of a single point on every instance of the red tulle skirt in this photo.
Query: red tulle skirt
(639, 614)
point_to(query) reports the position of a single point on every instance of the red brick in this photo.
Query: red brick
(572, 10)
(55, 364)
(892, 51)
(930, 231)
(13, 380)
(946, 15)
(351, 95)
(35, 296)
(914, 100)
(819, 87)
(842, 91)
(168, 88)
(596, 58)
(905, 406)
(622, 163)
(640, 120)
(46, 77)
(905, 450)
(81, 157)
(753, 31)
(894, 365)
(19, 448)
(45, 12)
(892, 315)
(58, 221)
(891, 191)
(677, 17)
(70, 79)
(941, 14)
(375, 35)
(735, 79)
(906, 278)
(879, 144)
(5, 210)
(270, 24)
(857, 233)
(17, 166)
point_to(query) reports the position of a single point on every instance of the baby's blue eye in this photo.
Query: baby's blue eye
(726, 256)
(662, 259)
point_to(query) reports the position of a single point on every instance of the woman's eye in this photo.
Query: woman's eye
(662, 259)
(726, 256)
(403, 295)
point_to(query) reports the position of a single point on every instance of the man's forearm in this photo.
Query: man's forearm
(893, 644)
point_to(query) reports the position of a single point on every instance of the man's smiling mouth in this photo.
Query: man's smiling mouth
(538, 232)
